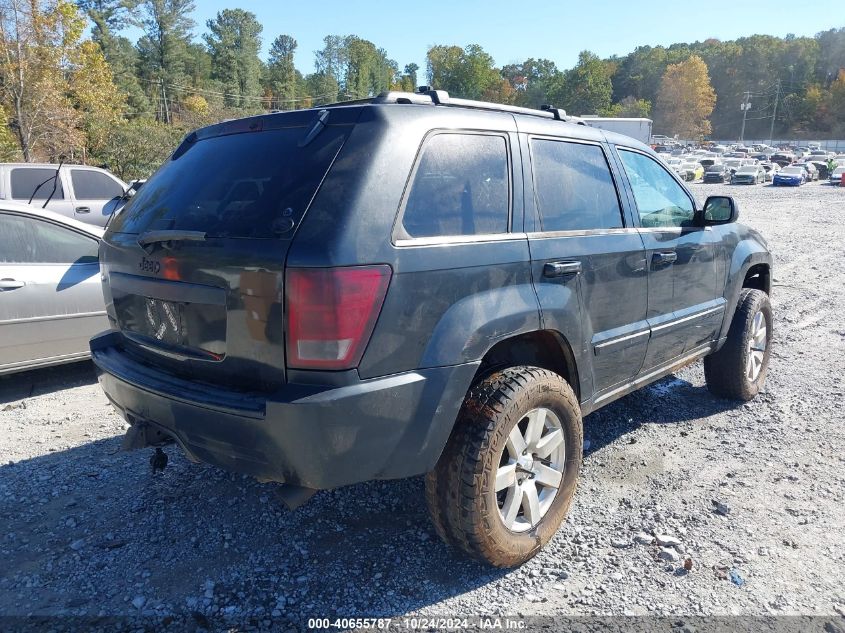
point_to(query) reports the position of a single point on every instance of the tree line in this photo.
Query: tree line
(107, 100)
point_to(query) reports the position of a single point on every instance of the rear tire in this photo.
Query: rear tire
(738, 370)
(536, 480)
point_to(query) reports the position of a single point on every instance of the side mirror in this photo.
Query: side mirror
(720, 210)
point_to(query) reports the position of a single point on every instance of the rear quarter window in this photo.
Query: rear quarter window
(460, 186)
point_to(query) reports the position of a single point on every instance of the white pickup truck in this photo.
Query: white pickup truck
(87, 194)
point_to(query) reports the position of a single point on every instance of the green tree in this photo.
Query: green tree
(163, 50)
(587, 88)
(282, 72)
(234, 40)
(686, 99)
(331, 60)
(411, 72)
(135, 149)
(463, 72)
(534, 81)
(630, 107)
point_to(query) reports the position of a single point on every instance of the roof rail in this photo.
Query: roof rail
(425, 95)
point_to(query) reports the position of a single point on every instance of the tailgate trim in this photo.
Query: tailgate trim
(175, 291)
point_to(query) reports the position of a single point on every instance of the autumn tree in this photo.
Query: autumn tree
(686, 99)
(36, 43)
(108, 18)
(94, 95)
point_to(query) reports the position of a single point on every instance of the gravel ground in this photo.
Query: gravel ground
(752, 495)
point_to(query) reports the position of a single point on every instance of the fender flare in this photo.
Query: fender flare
(747, 253)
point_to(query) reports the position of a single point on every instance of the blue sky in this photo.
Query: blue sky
(515, 31)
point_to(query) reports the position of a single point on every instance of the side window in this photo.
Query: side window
(574, 188)
(661, 201)
(26, 240)
(26, 179)
(93, 185)
(461, 187)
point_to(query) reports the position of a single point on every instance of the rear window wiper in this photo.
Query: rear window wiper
(148, 240)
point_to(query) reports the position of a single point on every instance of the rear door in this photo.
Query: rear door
(37, 184)
(96, 194)
(684, 305)
(195, 261)
(584, 245)
(51, 301)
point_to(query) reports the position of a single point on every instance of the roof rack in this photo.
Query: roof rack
(425, 95)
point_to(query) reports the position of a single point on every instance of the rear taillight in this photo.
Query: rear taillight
(331, 313)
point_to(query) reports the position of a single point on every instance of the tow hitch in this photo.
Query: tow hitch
(142, 434)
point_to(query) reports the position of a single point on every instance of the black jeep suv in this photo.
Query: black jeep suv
(419, 285)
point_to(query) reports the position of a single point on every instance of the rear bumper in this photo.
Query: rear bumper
(314, 436)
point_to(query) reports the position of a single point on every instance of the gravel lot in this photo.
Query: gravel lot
(753, 495)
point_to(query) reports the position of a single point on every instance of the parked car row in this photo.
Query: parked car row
(737, 164)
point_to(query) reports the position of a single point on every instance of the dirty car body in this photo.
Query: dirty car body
(281, 306)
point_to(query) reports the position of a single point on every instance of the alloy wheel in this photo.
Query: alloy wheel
(756, 347)
(530, 469)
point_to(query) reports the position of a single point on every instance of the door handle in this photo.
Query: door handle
(83, 209)
(561, 269)
(11, 284)
(664, 258)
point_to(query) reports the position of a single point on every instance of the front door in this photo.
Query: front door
(587, 261)
(684, 306)
(95, 195)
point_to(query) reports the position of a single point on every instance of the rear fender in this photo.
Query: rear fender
(474, 324)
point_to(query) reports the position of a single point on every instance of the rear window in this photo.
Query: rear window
(255, 184)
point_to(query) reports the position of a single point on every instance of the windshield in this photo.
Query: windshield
(239, 185)
(793, 171)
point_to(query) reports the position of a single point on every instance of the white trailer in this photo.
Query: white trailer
(638, 128)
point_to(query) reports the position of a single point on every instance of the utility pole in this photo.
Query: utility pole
(775, 113)
(745, 106)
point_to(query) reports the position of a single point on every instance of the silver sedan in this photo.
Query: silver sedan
(51, 301)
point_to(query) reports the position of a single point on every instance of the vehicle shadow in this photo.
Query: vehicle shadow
(37, 382)
(671, 400)
(91, 527)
